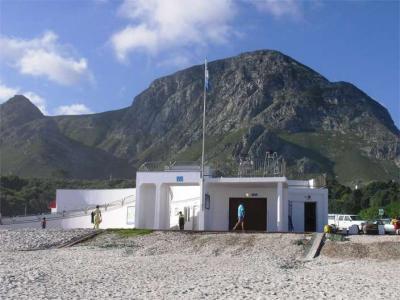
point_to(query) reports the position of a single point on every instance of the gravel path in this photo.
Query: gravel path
(191, 266)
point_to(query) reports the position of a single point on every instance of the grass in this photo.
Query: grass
(130, 232)
(218, 147)
(350, 163)
(336, 237)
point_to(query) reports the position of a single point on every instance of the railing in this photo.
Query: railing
(272, 166)
(159, 166)
(250, 168)
(70, 213)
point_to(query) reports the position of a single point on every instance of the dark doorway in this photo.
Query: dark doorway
(255, 213)
(310, 217)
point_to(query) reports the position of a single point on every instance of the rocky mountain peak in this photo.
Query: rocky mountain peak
(17, 111)
(259, 101)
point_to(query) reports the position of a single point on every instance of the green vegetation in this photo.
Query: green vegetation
(366, 200)
(33, 195)
(336, 237)
(350, 165)
(218, 149)
(125, 233)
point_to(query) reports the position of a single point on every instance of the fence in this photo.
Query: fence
(68, 214)
(272, 166)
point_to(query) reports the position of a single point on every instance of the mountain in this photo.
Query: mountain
(32, 145)
(259, 101)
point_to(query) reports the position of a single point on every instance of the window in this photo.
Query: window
(341, 218)
(347, 218)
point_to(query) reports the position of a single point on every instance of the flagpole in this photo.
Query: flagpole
(204, 130)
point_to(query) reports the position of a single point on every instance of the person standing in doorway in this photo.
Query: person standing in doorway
(97, 217)
(181, 221)
(241, 213)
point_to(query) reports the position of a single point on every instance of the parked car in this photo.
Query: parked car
(343, 222)
(371, 227)
(389, 228)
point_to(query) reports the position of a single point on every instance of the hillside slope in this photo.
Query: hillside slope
(32, 145)
(260, 101)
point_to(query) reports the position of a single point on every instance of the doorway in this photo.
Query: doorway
(310, 216)
(255, 213)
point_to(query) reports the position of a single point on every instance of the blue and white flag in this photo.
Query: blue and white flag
(206, 83)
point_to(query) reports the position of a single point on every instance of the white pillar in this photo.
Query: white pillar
(279, 215)
(164, 207)
(137, 207)
(202, 214)
(157, 207)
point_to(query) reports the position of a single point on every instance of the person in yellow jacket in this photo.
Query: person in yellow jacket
(97, 217)
(396, 223)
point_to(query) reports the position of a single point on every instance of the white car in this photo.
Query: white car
(344, 222)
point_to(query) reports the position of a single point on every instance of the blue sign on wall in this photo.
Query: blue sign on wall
(179, 178)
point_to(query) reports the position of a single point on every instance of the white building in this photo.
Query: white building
(273, 204)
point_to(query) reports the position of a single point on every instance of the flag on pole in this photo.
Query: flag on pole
(206, 83)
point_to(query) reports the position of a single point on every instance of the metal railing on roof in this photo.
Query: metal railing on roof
(158, 166)
(272, 166)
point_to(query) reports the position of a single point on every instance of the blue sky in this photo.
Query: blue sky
(73, 57)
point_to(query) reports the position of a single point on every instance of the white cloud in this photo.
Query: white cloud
(9, 92)
(134, 37)
(179, 60)
(159, 24)
(289, 9)
(73, 109)
(44, 57)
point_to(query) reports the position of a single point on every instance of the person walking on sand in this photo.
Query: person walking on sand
(241, 213)
(181, 221)
(97, 217)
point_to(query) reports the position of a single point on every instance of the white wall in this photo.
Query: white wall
(218, 215)
(146, 206)
(115, 217)
(185, 192)
(178, 205)
(155, 190)
(189, 178)
(184, 196)
(300, 195)
(79, 199)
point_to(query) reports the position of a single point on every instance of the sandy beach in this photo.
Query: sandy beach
(191, 266)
